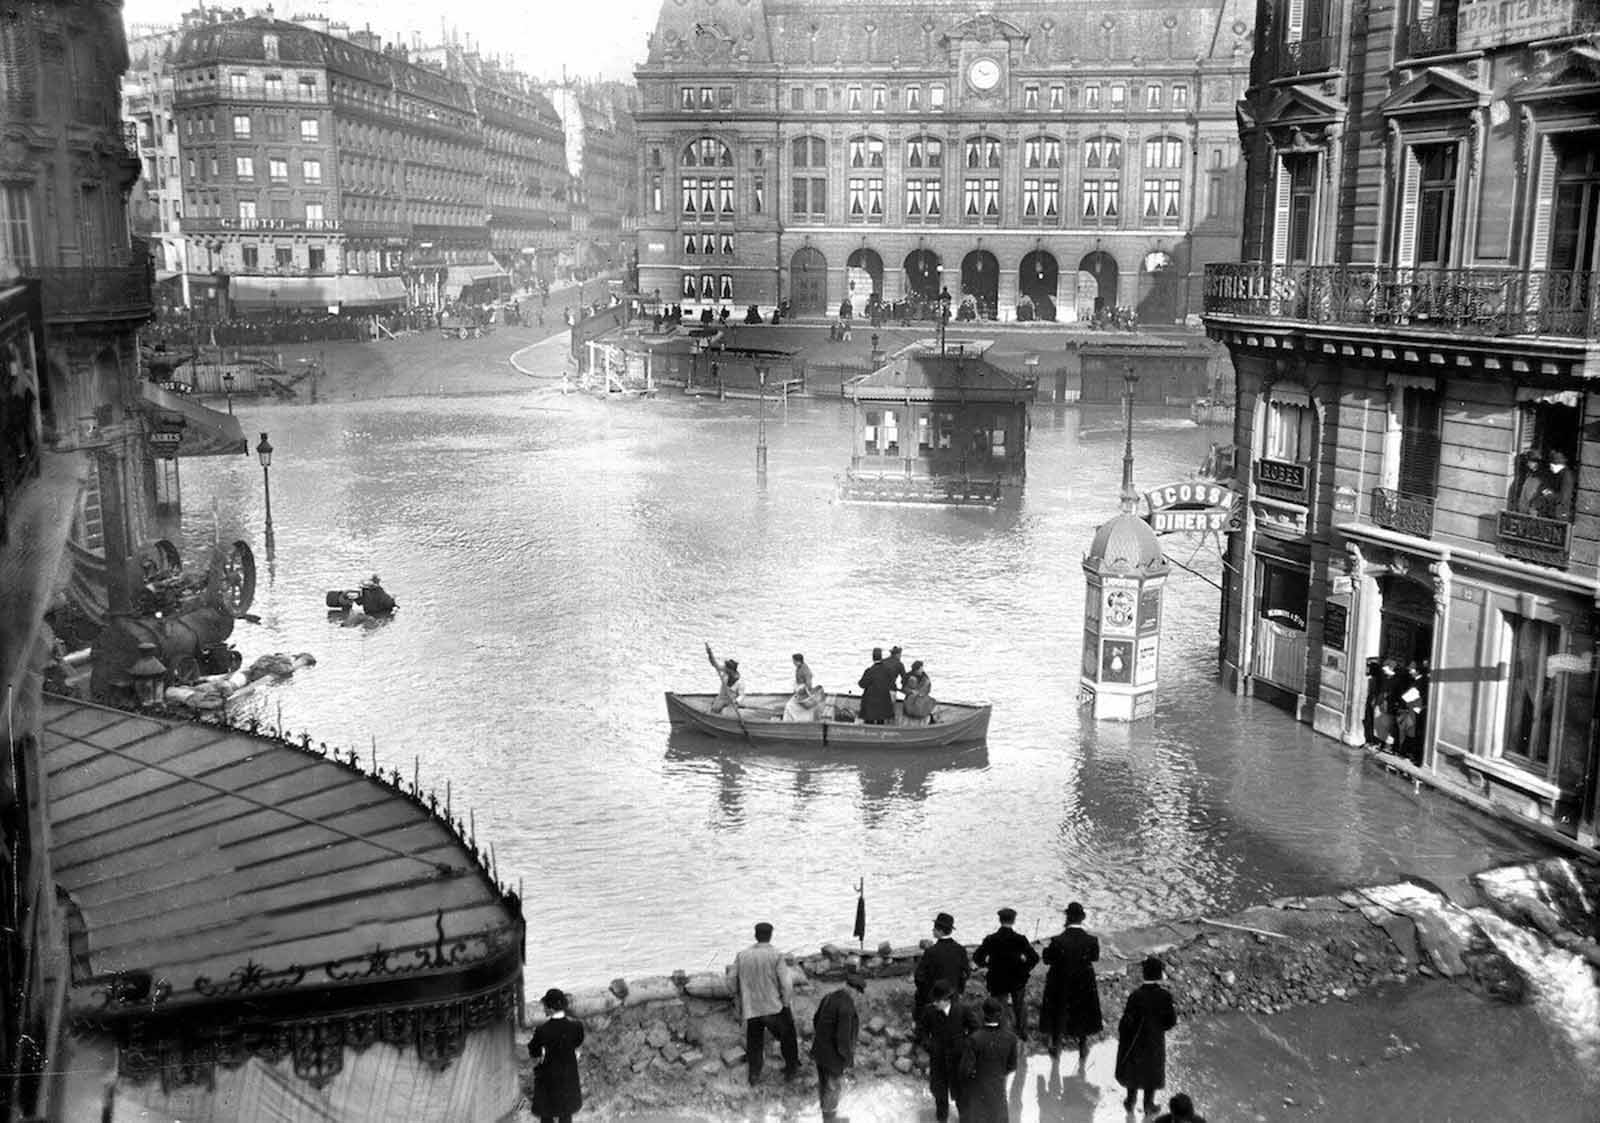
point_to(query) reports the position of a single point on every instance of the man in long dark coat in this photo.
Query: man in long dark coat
(990, 1054)
(877, 695)
(833, 1045)
(1071, 1006)
(942, 1028)
(945, 959)
(1142, 1038)
(1010, 958)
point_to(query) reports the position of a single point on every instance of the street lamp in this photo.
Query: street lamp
(227, 388)
(1130, 498)
(264, 451)
(944, 316)
(761, 429)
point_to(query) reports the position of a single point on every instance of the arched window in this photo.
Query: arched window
(980, 189)
(809, 152)
(924, 152)
(808, 186)
(866, 152)
(982, 152)
(706, 152)
(1163, 152)
(1102, 181)
(1041, 153)
(1102, 152)
(1041, 179)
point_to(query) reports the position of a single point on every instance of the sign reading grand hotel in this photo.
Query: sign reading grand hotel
(1490, 23)
(1193, 505)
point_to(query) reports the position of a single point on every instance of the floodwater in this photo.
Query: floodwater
(560, 561)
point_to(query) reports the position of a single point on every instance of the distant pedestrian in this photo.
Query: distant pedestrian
(1071, 1005)
(942, 1027)
(763, 993)
(990, 1055)
(554, 1051)
(1180, 1110)
(944, 959)
(1010, 958)
(1142, 1038)
(833, 1044)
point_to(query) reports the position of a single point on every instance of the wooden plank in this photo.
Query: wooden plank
(181, 807)
(346, 928)
(201, 904)
(256, 834)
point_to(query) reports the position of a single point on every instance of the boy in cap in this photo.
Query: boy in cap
(1010, 958)
(990, 1055)
(945, 960)
(833, 1045)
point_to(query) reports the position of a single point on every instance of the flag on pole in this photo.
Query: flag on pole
(860, 931)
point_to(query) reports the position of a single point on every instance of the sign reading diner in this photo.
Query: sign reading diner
(1490, 23)
(1194, 505)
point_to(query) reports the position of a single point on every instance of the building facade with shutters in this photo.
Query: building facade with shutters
(310, 154)
(1414, 329)
(1084, 158)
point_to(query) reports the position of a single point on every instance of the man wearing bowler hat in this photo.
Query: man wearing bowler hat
(945, 959)
(763, 993)
(1010, 958)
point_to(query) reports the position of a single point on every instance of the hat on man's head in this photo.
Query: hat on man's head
(895, 650)
(554, 999)
(877, 653)
(941, 990)
(854, 978)
(1075, 913)
(1007, 916)
(944, 922)
(992, 1010)
(1557, 456)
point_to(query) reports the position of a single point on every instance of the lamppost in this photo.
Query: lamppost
(264, 451)
(227, 388)
(944, 316)
(761, 429)
(1130, 498)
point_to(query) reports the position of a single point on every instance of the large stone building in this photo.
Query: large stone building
(155, 205)
(1082, 156)
(603, 160)
(1414, 328)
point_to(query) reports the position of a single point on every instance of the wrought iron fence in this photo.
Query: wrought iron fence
(1469, 301)
(94, 291)
(1433, 35)
(1406, 514)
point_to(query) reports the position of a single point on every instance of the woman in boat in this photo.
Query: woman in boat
(918, 688)
(804, 703)
(732, 689)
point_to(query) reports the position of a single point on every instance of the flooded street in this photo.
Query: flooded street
(559, 562)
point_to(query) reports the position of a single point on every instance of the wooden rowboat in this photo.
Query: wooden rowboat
(760, 721)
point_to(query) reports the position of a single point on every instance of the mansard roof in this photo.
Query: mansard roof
(917, 33)
(242, 41)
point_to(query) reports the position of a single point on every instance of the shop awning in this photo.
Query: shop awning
(183, 425)
(283, 292)
(370, 292)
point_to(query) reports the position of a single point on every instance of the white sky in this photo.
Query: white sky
(587, 37)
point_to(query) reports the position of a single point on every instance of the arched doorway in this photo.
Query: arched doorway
(808, 282)
(1037, 278)
(1097, 284)
(863, 273)
(980, 278)
(922, 274)
(1158, 289)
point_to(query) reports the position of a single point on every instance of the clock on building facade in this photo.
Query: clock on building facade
(983, 74)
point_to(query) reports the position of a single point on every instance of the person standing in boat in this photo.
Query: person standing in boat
(806, 702)
(732, 689)
(877, 691)
(918, 689)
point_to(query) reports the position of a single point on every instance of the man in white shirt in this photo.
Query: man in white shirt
(763, 993)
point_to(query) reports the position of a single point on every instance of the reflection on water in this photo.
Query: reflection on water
(559, 563)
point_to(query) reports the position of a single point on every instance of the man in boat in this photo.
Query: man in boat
(375, 599)
(877, 691)
(894, 669)
(731, 689)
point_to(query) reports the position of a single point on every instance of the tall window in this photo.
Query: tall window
(310, 129)
(936, 97)
(238, 85)
(657, 193)
(1421, 418)
(275, 86)
(1294, 233)
(1289, 432)
(1102, 179)
(16, 226)
(244, 168)
(880, 98)
(809, 183)
(924, 200)
(852, 99)
(1546, 474)
(866, 152)
(314, 213)
(1575, 208)
(914, 98)
(311, 171)
(278, 170)
(1152, 96)
(1030, 97)
(241, 124)
(1091, 96)
(1102, 199)
(247, 210)
(758, 194)
(797, 97)
(1526, 647)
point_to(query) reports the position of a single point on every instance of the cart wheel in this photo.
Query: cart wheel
(238, 586)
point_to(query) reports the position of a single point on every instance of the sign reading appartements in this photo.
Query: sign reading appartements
(1491, 23)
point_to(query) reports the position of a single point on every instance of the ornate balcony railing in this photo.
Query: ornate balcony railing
(1434, 35)
(94, 292)
(1470, 301)
(1282, 479)
(1406, 514)
(1535, 539)
(1308, 56)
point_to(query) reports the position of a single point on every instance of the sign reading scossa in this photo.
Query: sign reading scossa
(1193, 505)
(1490, 23)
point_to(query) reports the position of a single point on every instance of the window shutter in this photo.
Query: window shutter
(1405, 255)
(1294, 26)
(1280, 216)
(1544, 194)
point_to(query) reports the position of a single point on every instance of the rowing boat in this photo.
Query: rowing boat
(760, 721)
